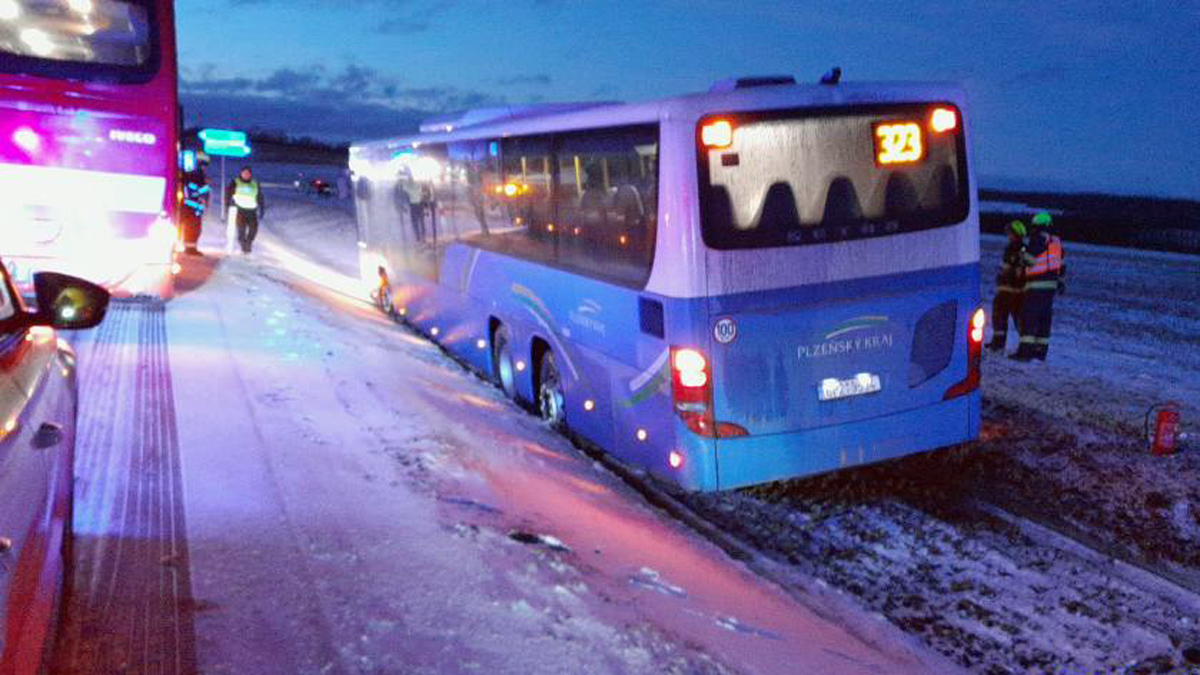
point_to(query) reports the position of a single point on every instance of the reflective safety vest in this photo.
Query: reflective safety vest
(1049, 261)
(245, 195)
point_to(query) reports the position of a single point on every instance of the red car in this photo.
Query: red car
(38, 399)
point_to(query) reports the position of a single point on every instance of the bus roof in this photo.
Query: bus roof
(547, 118)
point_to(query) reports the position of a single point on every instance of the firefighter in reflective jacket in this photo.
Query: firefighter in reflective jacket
(1010, 286)
(1045, 274)
(244, 199)
(195, 202)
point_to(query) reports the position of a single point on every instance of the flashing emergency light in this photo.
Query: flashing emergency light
(718, 134)
(943, 120)
(10, 10)
(38, 41)
(27, 139)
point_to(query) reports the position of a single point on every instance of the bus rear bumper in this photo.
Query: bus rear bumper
(761, 459)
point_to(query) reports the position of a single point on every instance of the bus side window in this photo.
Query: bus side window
(607, 202)
(528, 200)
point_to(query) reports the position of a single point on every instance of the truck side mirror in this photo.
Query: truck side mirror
(68, 302)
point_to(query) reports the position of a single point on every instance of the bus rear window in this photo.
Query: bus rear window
(78, 39)
(809, 177)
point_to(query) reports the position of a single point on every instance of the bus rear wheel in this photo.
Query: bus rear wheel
(550, 391)
(502, 362)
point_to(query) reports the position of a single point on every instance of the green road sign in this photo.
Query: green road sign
(226, 149)
(225, 143)
(223, 136)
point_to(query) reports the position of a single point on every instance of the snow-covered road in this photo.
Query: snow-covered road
(355, 502)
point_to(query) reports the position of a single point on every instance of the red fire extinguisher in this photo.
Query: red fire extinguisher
(1166, 428)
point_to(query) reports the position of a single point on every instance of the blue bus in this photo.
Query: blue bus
(759, 282)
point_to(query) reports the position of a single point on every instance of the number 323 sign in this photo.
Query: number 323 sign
(898, 143)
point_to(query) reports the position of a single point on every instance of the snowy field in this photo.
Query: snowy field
(1058, 543)
(355, 502)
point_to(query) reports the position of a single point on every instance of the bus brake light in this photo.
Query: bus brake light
(943, 120)
(718, 134)
(974, 358)
(691, 386)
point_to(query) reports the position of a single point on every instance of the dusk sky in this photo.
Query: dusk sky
(1065, 95)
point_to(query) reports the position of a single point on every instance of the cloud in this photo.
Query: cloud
(540, 80)
(286, 81)
(353, 103)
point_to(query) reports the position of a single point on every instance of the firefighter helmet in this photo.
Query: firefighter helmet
(1017, 228)
(1042, 219)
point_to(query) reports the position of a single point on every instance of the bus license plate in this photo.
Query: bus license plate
(864, 383)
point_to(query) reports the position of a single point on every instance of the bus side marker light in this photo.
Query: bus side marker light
(434, 331)
(481, 343)
(676, 459)
(642, 435)
(718, 134)
(589, 405)
(943, 120)
(521, 366)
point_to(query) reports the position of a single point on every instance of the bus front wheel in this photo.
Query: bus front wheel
(502, 362)
(550, 391)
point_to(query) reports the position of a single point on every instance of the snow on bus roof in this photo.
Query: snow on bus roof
(517, 120)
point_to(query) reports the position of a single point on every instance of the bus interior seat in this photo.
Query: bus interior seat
(900, 198)
(841, 203)
(779, 212)
(719, 209)
(943, 189)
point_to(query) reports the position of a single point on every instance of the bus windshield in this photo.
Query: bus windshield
(809, 177)
(81, 35)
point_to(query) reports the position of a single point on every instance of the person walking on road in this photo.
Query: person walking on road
(1045, 270)
(244, 199)
(1010, 287)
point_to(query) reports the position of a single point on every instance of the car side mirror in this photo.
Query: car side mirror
(68, 302)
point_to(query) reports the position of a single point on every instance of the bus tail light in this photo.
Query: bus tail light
(691, 386)
(974, 357)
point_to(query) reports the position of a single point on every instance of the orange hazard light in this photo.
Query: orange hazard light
(943, 120)
(718, 134)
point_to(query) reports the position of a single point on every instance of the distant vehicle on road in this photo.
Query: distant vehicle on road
(38, 400)
(315, 186)
(764, 281)
(88, 142)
